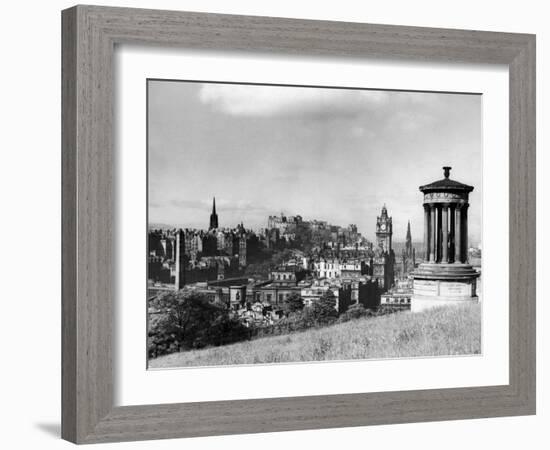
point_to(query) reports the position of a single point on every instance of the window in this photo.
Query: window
(281, 298)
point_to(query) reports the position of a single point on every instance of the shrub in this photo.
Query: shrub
(355, 311)
(186, 320)
(293, 303)
(322, 312)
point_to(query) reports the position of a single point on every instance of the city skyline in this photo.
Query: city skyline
(205, 227)
(335, 155)
(288, 211)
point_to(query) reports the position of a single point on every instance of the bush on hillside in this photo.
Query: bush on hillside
(185, 320)
(355, 311)
(322, 312)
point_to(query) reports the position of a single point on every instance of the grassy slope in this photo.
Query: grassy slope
(441, 331)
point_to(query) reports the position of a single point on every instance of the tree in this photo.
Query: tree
(323, 311)
(279, 257)
(226, 330)
(185, 320)
(293, 303)
(293, 322)
(186, 316)
(261, 269)
(355, 311)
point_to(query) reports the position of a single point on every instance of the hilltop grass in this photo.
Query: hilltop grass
(437, 332)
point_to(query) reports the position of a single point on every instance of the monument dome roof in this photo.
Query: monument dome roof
(446, 184)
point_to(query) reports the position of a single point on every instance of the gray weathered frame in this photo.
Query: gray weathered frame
(89, 36)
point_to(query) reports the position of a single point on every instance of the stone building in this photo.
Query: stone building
(363, 290)
(399, 297)
(327, 268)
(335, 268)
(446, 277)
(158, 271)
(383, 262)
(313, 291)
(210, 243)
(180, 259)
(285, 225)
(283, 274)
(396, 300)
(242, 250)
(167, 247)
(384, 231)
(230, 291)
(274, 293)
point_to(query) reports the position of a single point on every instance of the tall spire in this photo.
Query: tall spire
(213, 216)
(408, 243)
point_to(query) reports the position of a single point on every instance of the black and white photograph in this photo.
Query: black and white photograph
(298, 224)
(270, 225)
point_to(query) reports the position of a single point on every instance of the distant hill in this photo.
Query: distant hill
(160, 226)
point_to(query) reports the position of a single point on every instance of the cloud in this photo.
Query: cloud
(269, 101)
(412, 121)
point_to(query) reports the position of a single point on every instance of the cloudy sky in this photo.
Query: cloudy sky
(327, 154)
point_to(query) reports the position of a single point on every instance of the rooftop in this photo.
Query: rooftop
(446, 184)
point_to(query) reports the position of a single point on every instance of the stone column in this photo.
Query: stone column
(451, 231)
(437, 240)
(458, 226)
(432, 233)
(445, 233)
(426, 232)
(465, 233)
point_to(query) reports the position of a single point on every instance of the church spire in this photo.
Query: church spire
(213, 216)
(408, 241)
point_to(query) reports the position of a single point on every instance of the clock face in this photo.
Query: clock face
(383, 227)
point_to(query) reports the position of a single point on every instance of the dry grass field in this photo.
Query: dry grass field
(437, 332)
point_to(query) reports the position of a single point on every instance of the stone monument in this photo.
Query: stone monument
(445, 278)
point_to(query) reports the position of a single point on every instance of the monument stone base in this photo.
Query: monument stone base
(437, 284)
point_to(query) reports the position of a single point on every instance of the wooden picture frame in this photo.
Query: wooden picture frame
(89, 37)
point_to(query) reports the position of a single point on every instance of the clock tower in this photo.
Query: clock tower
(384, 231)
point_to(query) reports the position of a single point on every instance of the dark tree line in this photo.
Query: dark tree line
(186, 320)
(183, 320)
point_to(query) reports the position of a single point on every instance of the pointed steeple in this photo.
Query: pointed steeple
(408, 243)
(213, 216)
